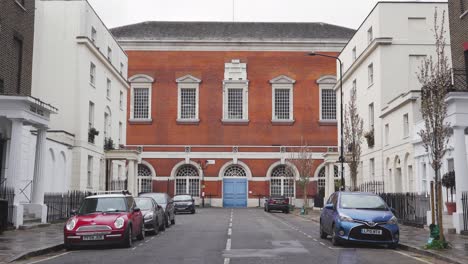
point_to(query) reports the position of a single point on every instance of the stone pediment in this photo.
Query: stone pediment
(141, 78)
(188, 79)
(282, 79)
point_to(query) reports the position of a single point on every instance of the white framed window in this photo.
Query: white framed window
(188, 98)
(121, 100)
(89, 178)
(372, 169)
(187, 181)
(109, 54)
(106, 125)
(424, 177)
(353, 54)
(120, 133)
(405, 126)
(91, 115)
(371, 116)
(354, 85)
(282, 99)
(282, 181)
(108, 89)
(327, 98)
(140, 98)
(370, 74)
(235, 92)
(145, 179)
(92, 74)
(387, 132)
(93, 35)
(370, 35)
(450, 164)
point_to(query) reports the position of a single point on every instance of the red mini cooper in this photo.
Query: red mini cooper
(105, 219)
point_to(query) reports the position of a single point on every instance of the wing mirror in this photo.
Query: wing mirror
(73, 212)
(136, 209)
(393, 210)
(330, 206)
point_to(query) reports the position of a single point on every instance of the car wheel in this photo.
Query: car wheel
(141, 236)
(128, 240)
(264, 209)
(166, 221)
(335, 239)
(193, 211)
(323, 235)
(392, 245)
(173, 220)
(162, 227)
(155, 227)
(67, 246)
(286, 211)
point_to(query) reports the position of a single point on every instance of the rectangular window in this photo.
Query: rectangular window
(89, 178)
(141, 103)
(108, 89)
(92, 74)
(181, 186)
(194, 189)
(106, 125)
(370, 73)
(275, 186)
(188, 103)
(91, 115)
(354, 54)
(450, 165)
(282, 104)
(328, 104)
(120, 133)
(18, 57)
(93, 35)
(355, 84)
(372, 169)
(109, 54)
(387, 131)
(424, 178)
(121, 100)
(370, 36)
(405, 125)
(235, 103)
(371, 117)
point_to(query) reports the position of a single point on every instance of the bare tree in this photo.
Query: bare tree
(435, 78)
(304, 163)
(352, 136)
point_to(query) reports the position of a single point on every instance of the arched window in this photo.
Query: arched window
(188, 181)
(282, 181)
(145, 179)
(235, 171)
(321, 181)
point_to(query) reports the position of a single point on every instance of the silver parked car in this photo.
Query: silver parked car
(153, 215)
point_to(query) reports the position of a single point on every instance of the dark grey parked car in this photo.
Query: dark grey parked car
(165, 201)
(184, 203)
(153, 215)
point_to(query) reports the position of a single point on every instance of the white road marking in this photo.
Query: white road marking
(49, 258)
(409, 256)
(309, 236)
(133, 248)
(228, 244)
(152, 238)
(315, 240)
(227, 260)
(146, 241)
(230, 224)
(323, 244)
(229, 231)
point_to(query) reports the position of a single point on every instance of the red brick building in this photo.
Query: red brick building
(217, 109)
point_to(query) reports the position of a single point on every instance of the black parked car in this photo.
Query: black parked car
(184, 203)
(279, 203)
(165, 201)
(153, 215)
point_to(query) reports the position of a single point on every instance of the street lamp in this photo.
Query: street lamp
(342, 157)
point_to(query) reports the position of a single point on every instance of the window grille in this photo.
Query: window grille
(235, 103)
(188, 103)
(282, 181)
(282, 104)
(235, 171)
(187, 181)
(145, 179)
(92, 74)
(140, 102)
(328, 104)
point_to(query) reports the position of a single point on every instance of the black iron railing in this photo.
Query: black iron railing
(410, 208)
(60, 205)
(465, 210)
(459, 81)
(8, 193)
(371, 186)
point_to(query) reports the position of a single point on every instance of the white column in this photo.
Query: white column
(330, 179)
(131, 181)
(461, 166)
(15, 158)
(39, 167)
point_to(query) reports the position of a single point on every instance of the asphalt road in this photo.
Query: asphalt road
(233, 236)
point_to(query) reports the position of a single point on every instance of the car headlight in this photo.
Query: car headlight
(71, 224)
(345, 218)
(119, 222)
(148, 216)
(393, 221)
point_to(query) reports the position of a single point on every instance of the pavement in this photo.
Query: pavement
(215, 235)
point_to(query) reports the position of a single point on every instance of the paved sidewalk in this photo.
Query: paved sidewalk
(414, 239)
(16, 244)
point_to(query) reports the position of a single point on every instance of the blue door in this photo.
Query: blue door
(235, 192)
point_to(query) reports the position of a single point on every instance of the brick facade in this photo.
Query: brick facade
(16, 24)
(458, 16)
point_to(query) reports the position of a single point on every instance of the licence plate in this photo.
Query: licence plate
(95, 237)
(371, 231)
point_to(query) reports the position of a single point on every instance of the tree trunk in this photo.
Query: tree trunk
(439, 214)
(306, 201)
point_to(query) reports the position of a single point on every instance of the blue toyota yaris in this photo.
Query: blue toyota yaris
(359, 217)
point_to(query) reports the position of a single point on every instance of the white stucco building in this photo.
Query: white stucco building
(381, 61)
(80, 69)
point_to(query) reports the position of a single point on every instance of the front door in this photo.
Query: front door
(235, 192)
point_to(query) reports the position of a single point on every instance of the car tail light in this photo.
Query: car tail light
(271, 201)
(286, 201)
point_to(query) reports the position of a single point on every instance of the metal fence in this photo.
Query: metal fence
(60, 205)
(410, 208)
(465, 210)
(371, 186)
(8, 193)
(459, 80)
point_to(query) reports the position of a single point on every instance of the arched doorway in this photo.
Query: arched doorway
(234, 186)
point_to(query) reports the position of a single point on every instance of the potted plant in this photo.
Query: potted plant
(370, 138)
(108, 144)
(92, 132)
(448, 181)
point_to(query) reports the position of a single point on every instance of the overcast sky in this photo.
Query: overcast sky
(348, 13)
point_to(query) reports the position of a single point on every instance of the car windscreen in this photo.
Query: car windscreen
(160, 198)
(362, 202)
(179, 198)
(144, 203)
(111, 204)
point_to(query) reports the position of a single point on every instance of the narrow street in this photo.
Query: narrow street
(235, 236)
